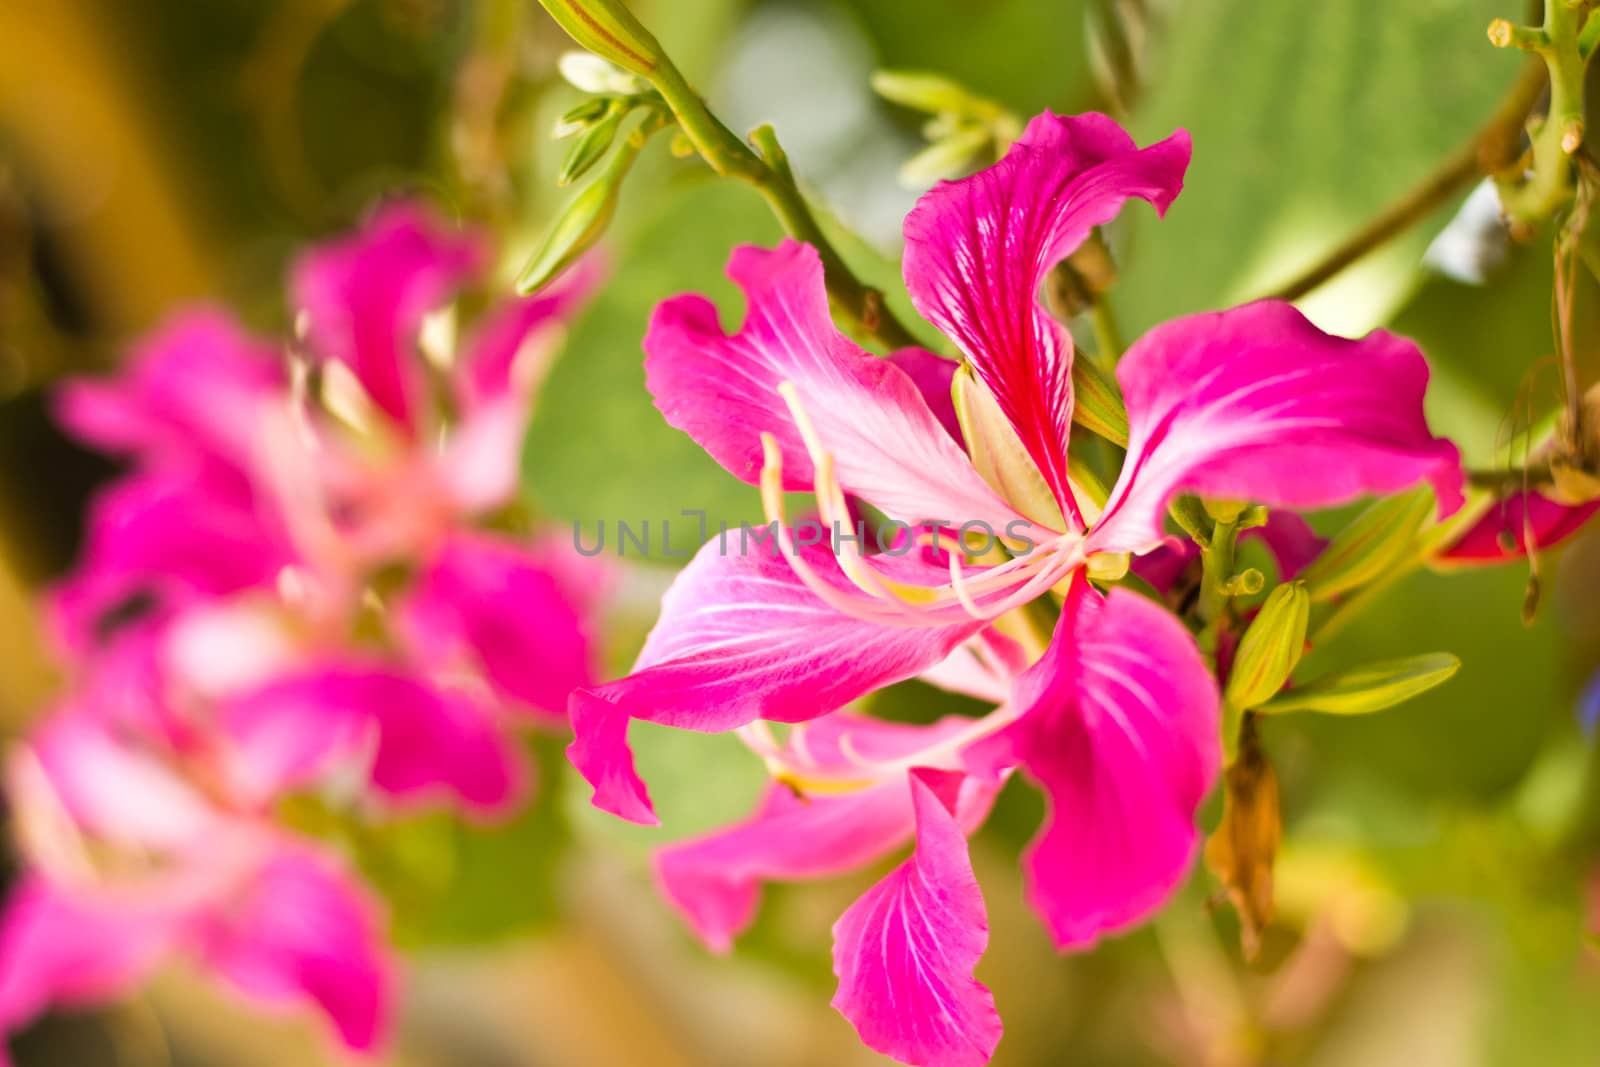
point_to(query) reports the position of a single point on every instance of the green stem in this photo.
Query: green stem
(1561, 133)
(1216, 571)
(765, 167)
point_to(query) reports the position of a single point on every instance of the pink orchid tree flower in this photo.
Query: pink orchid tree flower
(137, 857)
(304, 584)
(1115, 716)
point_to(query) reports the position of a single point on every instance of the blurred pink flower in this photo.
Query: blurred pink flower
(297, 587)
(133, 861)
(1116, 719)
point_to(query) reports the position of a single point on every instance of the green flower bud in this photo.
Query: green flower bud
(1097, 402)
(998, 453)
(948, 157)
(1271, 648)
(924, 92)
(591, 147)
(1370, 545)
(609, 30)
(1363, 690)
(584, 220)
(579, 118)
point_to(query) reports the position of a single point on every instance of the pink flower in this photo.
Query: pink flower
(1116, 719)
(295, 589)
(134, 861)
(243, 478)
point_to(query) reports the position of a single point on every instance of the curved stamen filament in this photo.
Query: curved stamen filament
(881, 600)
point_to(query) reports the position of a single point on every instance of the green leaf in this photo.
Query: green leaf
(1363, 690)
(1308, 136)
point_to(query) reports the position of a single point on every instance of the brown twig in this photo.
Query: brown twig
(1494, 147)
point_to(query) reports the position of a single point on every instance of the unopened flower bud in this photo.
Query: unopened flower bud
(1097, 403)
(582, 222)
(578, 118)
(609, 30)
(1271, 648)
(948, 157)
(1363, 690)
(591, 147)
(998, 453)
(1369, 546)
(922, 92)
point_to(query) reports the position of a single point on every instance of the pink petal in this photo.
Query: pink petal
(193, 391)
(741, 638)
(888, 447)
(1258, 404)
(113, 790)
(161, 539)
(509, 353)
(977, 251)
(1120, 729)
(502, 605)
(714, 881)
(933, 376)
(905, 951)
(429, 740)
(304, 932)
(1291, 540)
(55, 950)
(1502, 534)
(366, 295)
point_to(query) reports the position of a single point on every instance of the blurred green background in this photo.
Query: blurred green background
(1433, 889)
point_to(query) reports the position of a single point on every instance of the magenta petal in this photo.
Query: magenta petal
(1291, 540)
(160, 540)
(366, 295)
(509, 609)
(888, 447)
(192, 391)
(111, 789)
(714, 880)
(429, 740)
(57, 951)
(1258, 404)
(508, 354)
(905, 951)
(933, 376)
(977, 251)
(1503, 533)
(600, 752)
(1119, 727)
(741, 638)
(304, 932)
